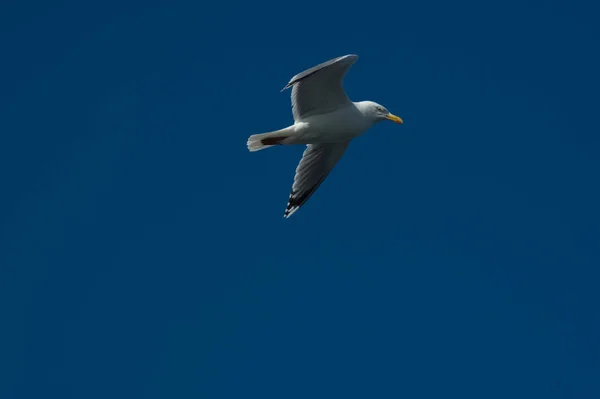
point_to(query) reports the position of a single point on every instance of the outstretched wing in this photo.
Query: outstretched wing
(320, 89)
(317, 161)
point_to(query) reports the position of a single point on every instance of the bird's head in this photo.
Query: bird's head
(378, 112)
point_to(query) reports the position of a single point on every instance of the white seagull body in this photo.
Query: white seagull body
(325, 120)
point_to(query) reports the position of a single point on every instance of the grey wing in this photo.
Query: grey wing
(320, 89)
(317, 161)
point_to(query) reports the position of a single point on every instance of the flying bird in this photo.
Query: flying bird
(325, 120)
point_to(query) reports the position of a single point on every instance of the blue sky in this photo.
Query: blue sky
(143, 251)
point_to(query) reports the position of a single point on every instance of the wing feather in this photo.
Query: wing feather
(317, 161)
(320, 89)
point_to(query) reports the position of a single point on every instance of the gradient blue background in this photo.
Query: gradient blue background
(143, 253)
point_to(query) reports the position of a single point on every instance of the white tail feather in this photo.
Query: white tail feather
(256, 141)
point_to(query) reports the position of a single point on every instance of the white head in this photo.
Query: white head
(377, 112)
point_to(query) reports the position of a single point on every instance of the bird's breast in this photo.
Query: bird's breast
(339, 125)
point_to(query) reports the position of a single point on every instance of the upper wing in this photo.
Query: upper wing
(317, 161)
(319, 89)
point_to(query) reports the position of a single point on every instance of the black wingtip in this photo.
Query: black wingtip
(292, 206)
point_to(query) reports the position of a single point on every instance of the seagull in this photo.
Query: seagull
(325, 120)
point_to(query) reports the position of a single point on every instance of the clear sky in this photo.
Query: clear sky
(143, 250)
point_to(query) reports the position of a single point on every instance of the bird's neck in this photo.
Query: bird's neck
(365, 108)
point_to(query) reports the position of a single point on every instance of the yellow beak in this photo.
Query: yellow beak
(395, 118)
